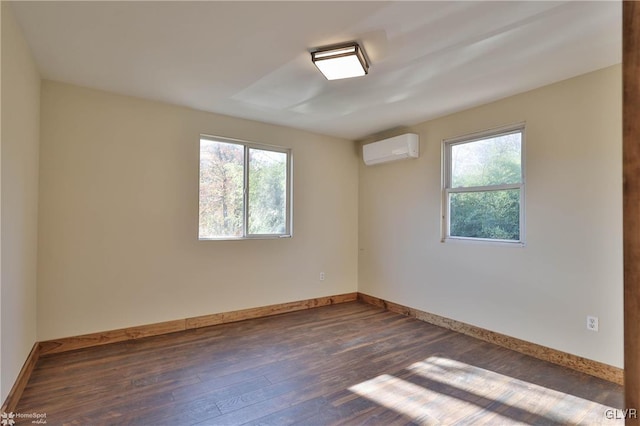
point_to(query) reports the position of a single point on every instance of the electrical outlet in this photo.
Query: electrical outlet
(592, 323)
(321, 276)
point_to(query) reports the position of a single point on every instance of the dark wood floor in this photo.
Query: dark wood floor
(344, 364)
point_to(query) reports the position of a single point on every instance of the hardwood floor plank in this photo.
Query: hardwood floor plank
(296, 414)
(260, 395)
(348, 363)
(215, 391)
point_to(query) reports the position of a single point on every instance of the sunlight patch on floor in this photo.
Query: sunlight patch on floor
(415, 402)
(444, 391)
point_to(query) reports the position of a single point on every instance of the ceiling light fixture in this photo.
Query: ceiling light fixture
(342, 61)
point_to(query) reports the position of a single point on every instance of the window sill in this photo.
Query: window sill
(483, 241)
(258, 237)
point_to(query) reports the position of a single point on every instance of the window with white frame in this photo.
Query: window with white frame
(483, 193)
(245, 190)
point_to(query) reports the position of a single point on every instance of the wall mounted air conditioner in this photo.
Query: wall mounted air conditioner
(392, 149)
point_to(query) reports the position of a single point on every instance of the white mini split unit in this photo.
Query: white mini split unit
(392, 149)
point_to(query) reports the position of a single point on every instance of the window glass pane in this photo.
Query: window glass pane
(491, 161)
(221, 189)
(267, 192)
(488, 214)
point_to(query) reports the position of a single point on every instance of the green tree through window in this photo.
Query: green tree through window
(267, 192)
(484, 186)
(244, 190)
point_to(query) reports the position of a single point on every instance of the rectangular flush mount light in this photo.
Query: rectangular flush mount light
(343, 61)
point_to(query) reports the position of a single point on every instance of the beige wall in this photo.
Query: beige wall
(19, 201)
(118, 233)
(571, 265)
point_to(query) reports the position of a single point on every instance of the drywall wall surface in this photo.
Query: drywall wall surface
(19, 199)
(119, 217)
(571, 264)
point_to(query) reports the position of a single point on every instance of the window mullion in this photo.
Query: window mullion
(245, 190)
(447, 213)
(485, 188)
(289, 189)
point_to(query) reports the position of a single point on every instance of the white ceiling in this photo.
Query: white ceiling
(251, 59)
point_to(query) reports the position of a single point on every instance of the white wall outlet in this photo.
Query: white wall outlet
(592, 323)
(322, 276)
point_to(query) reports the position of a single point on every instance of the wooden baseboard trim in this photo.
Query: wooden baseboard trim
(112, 336)
(265, 311)
(15, 393)
(95, 339)
(584, 365)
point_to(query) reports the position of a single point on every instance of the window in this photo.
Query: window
(484, 186)
(245, 190)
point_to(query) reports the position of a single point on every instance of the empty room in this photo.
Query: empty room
(319, 213)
